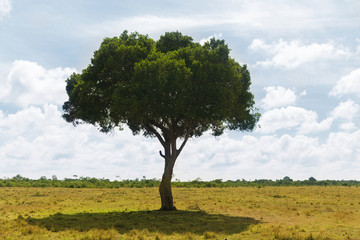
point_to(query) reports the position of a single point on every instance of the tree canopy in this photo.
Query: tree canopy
(175, 82)
(170, 89)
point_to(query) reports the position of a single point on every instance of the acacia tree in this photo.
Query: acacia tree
(172, 89)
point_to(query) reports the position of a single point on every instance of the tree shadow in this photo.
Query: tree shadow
(197, 222)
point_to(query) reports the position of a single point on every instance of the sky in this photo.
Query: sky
(303, 57)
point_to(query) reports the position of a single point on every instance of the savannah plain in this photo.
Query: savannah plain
(310, 212)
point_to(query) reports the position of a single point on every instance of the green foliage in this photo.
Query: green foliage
(172, 84)
(287, 179)
(88, 182)
(312, 179)
(173, 41)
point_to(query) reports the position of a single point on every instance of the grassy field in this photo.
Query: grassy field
(204, 213)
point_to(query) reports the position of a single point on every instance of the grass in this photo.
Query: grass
(153, 221)
(205, 213)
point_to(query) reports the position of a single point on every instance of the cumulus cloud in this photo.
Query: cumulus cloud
(347, 126)
(295, 53)
(346, 110)
(272, 157)
(36, 141)
(5, 8)
(28, 83)
(278, 97)
(349, 84)
(291, 117)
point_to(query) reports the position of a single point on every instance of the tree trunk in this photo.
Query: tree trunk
(170, 156)
(167, 203)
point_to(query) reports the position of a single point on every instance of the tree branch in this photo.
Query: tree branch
(162, 154)
(182, 145)
(180, 130)
(185, 140)
(158, 125)
(158, 135)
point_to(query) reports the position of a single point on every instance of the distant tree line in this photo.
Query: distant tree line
(88, 182)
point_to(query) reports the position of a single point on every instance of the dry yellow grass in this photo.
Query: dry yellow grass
(205, 213)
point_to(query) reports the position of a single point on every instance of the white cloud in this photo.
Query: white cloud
(5, 8)
(291, 117)
(37, 142)
(30, 84)
(349, 84)
(249, 157)
(346, 110)
(278, 97)
(216, 36)
(347, 126)
(342, 145)
(294, 53)
(23, 122)
(147, 24)
(272, 157)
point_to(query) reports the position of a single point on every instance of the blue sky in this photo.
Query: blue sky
(303, 57)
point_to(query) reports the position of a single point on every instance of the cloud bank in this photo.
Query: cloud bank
(36, 142)
(28, 83)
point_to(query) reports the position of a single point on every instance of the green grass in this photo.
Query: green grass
(205, 213)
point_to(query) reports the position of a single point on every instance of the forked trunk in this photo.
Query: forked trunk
(171, 153)
(170, 156)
